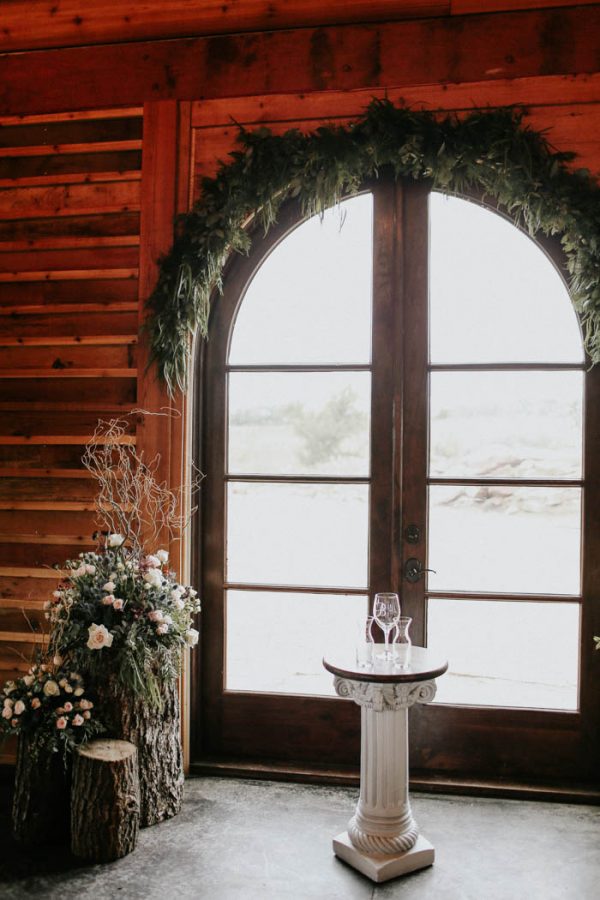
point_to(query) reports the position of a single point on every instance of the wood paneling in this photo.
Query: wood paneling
(69, 259)
(443, 50)
(31, 24)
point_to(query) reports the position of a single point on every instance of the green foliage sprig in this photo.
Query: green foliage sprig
(487, 151)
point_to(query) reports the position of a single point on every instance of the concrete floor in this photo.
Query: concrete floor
(251, 840)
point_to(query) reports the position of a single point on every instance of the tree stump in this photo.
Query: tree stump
(156, 733)
(105, 800)
(40, 809)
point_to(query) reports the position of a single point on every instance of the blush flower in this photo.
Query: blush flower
(61, 722)
(155, 615)
(68, 707)
(162, 628)
(99, 637)
(51, 689)
(77, 720)
(36, 703)
(109, 586)
(162, 556)
(118, 604)
(19, 707)
(108, 600)
(152, 562)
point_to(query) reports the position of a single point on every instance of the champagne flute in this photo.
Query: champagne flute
(386, 612)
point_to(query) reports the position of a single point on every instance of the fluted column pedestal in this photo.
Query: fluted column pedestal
(382, 840)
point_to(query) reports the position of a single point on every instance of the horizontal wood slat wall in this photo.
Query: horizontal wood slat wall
(69, 262)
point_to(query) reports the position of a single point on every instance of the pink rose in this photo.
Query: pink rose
(86, 704)
(118, 604)
(155, 615)
(36, 703)
(68, 707)
(6, 712)
(108, 600)
(61, 722)
(14, 722)
(87, 714)
(162, 629)
(19, 707)
(77, 720)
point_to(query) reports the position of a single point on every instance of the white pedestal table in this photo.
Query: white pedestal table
(383, 839)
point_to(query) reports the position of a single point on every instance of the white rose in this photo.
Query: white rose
(90, 569)
(99, 637)
(115, 540)
(6, 712)
(51, 689)
(152, 561)
(57, 594)
(80, 571)
(28, 680)
(153, 578)
(162, 556)
(109, 586)
(168, 620)
(191, 637)
(8, 703)
(19, 707)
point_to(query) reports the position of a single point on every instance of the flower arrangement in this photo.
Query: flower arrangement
(120, 611)
(51, 707)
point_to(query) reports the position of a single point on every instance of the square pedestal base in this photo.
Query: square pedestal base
(381, 867)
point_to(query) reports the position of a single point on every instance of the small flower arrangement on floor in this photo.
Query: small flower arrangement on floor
(50, 707)
(121, 611)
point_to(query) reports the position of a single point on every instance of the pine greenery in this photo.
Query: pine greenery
(487, 151)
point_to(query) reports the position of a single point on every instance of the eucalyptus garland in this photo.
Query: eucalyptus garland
(488, 151)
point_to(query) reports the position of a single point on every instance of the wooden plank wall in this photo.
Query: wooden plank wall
(69, 259)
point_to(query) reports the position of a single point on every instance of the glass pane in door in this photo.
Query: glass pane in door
(505, 476)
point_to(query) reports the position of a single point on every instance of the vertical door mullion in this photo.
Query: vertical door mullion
(413, 385)
(384, 352)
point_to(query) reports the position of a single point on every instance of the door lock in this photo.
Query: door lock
(413, 569)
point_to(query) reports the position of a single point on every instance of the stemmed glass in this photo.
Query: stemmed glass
(386, 612)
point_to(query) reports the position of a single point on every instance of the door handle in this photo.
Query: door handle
(413, 569)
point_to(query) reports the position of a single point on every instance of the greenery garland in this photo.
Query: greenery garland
(488, 151)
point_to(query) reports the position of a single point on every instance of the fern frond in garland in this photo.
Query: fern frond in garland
(487, 151)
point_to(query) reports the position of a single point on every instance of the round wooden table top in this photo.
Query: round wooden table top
(423, 665)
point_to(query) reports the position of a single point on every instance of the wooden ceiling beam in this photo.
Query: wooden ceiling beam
(448, 50)
(38, 24)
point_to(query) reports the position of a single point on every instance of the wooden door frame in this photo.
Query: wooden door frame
(561, 730)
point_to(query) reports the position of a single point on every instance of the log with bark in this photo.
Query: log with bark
(105, 800)
(155, 730)
(40, 809)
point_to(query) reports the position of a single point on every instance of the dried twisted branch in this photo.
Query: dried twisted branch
(130, 500)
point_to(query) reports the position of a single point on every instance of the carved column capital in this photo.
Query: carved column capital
(380, 697)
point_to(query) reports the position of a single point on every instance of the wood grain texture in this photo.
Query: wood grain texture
(34, 23)
(349, 57)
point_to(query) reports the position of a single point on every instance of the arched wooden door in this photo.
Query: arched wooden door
(399, 387)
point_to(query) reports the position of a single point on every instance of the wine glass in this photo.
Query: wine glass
(386, 612)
